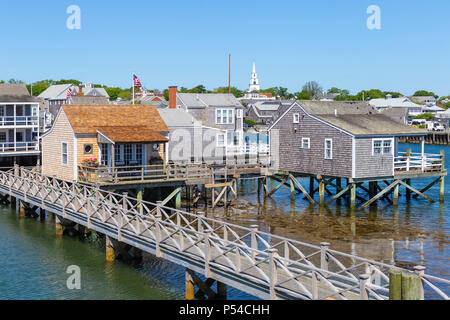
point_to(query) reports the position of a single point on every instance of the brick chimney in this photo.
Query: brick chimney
(173, 97)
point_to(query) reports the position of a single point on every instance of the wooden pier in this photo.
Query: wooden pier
(261, 264)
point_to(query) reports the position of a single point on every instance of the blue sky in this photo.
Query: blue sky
(187, 43)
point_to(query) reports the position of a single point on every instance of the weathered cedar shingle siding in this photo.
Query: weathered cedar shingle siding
(312, 161)
(368, 166)
(51, 149)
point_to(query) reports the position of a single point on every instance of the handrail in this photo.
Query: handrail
(230, 244)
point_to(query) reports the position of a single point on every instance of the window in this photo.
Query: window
(117, 153)
(2, 136)
(2, 111)
(382, 147)
(128, 153)
(155, 147)
(139, 153)
(220, 140)
(328, 149)
(239, 113)
(224, 116)
(305, 143)
(88, 148)
(64, 154)
(296, 118)
(104, 153)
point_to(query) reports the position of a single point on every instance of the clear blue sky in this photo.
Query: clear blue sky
(187, 43)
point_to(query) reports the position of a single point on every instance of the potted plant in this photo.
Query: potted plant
(91, 162)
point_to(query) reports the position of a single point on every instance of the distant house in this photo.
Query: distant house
(326, 96)
(19, 126)
(88, 100)
(189, 140)
(414, 109)
(266, 112)
(218, 111)
(397, 114)
(426, 100)
(56, 95)
(337, 139)
(156, 100)
(104, 132)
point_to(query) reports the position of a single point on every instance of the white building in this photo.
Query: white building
(414, 109)
(254, 88)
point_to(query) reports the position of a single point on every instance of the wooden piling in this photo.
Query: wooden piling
(395, 285)
(321, 192)
(292, 189)
(110, 254)
(353, 197)
(408, 191)
(338, 189)
(58, 226)
(190, 289)
(178, 200)
(311, 187)
(411, 286)
(396, 188)
(442, 189)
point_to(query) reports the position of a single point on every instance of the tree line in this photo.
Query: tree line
(310, 90)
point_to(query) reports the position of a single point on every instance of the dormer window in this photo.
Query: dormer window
(296, 118)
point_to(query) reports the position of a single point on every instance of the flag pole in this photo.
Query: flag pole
(133, 88)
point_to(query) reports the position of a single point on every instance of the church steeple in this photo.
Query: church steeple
(254, 82)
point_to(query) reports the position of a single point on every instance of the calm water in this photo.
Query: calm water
(33, 262)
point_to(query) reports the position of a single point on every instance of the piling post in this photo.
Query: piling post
(190, 288)
(339, 188)
(110, 254)
(408, 191)
(353, 197)
(178, 200)
(221, 290)
(58, 226)
(396, 188)
(321, 192)
(324, 246)
(139, 197)
(363, 280)
(411, 286)
(395, 284)
(420, 271)
(21, 208)
(311, 187)
(292, 189)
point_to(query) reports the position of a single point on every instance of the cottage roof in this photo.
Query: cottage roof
(134, 123)
(15, 93)
(56, 92)
(393, 103)
(400, 112)
(131, 134)
(178, 118)
(342, 107)
(202, 100)
(89, 100)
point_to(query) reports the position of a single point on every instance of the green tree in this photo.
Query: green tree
(342, 92)
(273, 91)
(234, 91)
(166, 94)
(447, 105)
(303, 95)
(15, 81)
(312, 88)
(426, 116)
(113, 93)
(424, 93)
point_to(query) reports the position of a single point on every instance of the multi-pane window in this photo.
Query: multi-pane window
(128, 153)
(296, 118)
(328, 149)
(139, 153)
(224, 116)
(305, 143)
(117, 155)
(104, 153)
(382, 147)
(239, 113)
(2, 136)
(2, 111)
(220, 140)
(64, 154)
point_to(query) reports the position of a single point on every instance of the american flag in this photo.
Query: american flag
(69, 93)
(137, 82)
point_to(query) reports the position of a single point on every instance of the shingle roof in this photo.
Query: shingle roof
(403, 112)
(202, 100)
(133, 122)
(132, 134)
(394, 103)
(357, 118)
(16, 93)
(56, 92)
(178, 118)
(89, 100)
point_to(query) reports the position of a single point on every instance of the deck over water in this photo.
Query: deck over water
(261, 264)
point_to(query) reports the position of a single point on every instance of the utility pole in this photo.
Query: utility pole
(229, 73)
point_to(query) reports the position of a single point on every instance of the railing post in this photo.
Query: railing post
(207, 251)
(254, 240)
(324, 246)
(420, 271)
(158, 229)
(273, 274)
(314, 286)
(363, 294)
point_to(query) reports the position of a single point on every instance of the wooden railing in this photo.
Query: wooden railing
(19, 146)
(417, 162)
(262, 264)
(163, 172)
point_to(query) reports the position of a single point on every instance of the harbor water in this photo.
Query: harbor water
(34, 262)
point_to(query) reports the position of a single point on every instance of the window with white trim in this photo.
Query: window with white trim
(328, 148)
(239, 113)
(224, 116)
(305, 143)
(296, 118)
(64, 154)
(220, 140)
(382, 147)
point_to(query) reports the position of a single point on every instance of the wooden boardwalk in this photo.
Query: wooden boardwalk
(261, 264)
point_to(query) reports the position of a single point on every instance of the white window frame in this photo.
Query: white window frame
(239, 113)
(331, 149)
(224, 116)
(62, 154)
(382, 153)
(224, 140)
(296, 118)
(304, 141)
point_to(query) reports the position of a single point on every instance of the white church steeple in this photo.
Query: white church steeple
(254, 82)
